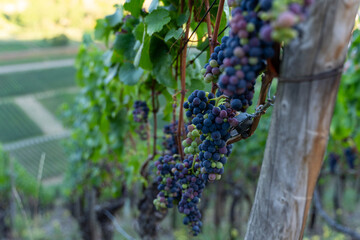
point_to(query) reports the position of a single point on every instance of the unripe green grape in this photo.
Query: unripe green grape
(244, 41)
(253, 60)
(195, 133)
(214, 63)
(250, 27)
(190, 149)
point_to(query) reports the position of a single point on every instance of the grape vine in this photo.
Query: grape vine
(255, 27)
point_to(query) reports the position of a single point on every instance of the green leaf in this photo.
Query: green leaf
(174, 34)
(102, 30)
(111, 74)
(161, 61)
(156, 20)
(154, 4)
(134, 7)
(142, 57)
(139, 31)
(107, 56)
(124, 44)
(183, 18)
(116, 18)
(130, 75)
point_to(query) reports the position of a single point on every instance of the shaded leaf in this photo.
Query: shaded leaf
(124, 44)
(111, 74)
(161, 61)
(116, 18)
(174, 34)
(130, 75)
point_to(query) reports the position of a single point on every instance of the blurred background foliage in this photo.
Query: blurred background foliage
(104, 151)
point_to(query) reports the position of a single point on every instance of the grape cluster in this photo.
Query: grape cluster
(169, 188)
(215, 133)
(140, 114)
(254, 27)
(187, 174)
(141, 111)
(245, 55)
(333, 161)
(215, 67)
(350, 157)
(191, 143)
(169, 139)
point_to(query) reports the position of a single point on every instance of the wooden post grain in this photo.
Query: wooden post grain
(300, 122)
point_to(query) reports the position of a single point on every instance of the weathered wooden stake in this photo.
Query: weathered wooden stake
(300, 122)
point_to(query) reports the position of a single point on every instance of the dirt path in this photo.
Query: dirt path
(54, 51)
(40, 115)
(14, 68)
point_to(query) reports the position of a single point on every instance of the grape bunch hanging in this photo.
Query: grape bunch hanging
(140, 115)
(234, 66)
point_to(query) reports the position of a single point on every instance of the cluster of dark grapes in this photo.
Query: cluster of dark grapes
(333, 161)
(241, 57)
(245, 54)
(215, 67)
(350, 157)
(140, 112)
(215, 133)
(169, 139)
(180, 182)
(140, 115)
(187, 174)
(169, 187)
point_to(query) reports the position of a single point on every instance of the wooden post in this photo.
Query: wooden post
(300, 122)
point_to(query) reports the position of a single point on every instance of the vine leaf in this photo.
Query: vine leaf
(130, 75)
(154, 4)
(116, 18)
(173, 34)
(111, 74)
(102, 30)
(107, 56)
(161, 61)
(134, 7)
(183, 18)
(142, 58)
(156, 20)
(124, 44)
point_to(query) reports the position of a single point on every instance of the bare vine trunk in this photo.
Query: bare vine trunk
(300, 122)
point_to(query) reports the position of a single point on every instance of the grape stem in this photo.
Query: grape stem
(218, 99)
(183, 81)
(260, 110)
(272, 71)
(155, 109)
(208, 23)
(213, 37)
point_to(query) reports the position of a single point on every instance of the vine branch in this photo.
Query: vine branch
(155, 109)
(331, 222)
(183, 81)
(208, 23)
(214, 38)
